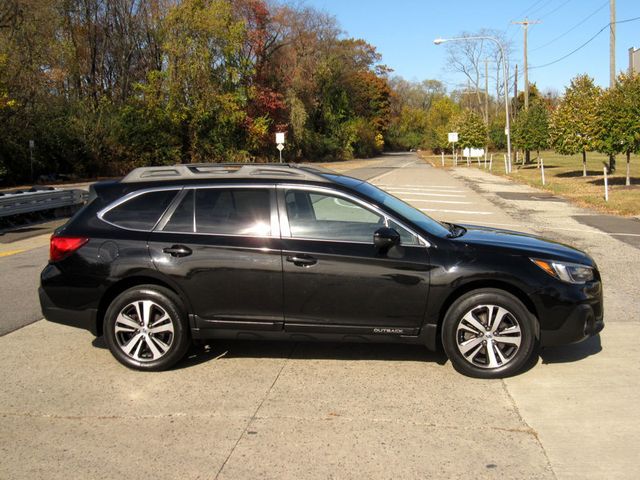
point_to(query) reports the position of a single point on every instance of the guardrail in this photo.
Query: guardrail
(15, 204)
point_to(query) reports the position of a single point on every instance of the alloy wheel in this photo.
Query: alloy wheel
(488, 336)
(144, 331)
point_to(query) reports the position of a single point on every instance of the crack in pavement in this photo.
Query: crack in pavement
(253, 417)
(527, 430)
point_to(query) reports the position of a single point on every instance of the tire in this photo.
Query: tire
(474, 323)
(145, 328)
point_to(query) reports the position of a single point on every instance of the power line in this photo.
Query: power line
(533, 5)
(585, 43)
(541, 7)
(555, 9)
(572, 28)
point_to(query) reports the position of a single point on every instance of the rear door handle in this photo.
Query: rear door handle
(178, 251)
(301, 260)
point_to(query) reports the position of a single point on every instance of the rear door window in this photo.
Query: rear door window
(141, 212)
(233, 211)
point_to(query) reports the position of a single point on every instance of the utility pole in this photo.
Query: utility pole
(612, 43)
(612, 63)
(515, 92)
(525, 26)
(486, 91)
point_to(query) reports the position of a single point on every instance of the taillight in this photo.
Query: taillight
(61, 247)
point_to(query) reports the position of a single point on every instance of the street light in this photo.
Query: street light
(439, 41)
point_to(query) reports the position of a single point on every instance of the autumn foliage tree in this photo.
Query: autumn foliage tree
(573, 124)
(103, 86)
(472, 131)
(619, 119)
(531, 128)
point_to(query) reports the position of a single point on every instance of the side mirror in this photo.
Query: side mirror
(384, 238)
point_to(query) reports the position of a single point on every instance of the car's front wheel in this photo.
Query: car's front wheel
(145, 328)
(488, 333)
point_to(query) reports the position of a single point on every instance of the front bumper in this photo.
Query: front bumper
(86, 319)
(581, 324)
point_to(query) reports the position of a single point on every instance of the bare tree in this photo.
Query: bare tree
(468, 56)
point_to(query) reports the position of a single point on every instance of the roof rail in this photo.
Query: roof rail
(192, 171)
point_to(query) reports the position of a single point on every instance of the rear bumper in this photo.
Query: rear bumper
(581, 324)
(86, 319)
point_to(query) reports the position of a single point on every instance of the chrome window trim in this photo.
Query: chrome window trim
(173, 206)
(286, 230)
(131, 196)
(275, 223)
(272, 237)
(279, 222)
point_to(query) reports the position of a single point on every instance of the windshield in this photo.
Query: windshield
(404, 209)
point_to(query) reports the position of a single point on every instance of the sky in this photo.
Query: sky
(403, 32)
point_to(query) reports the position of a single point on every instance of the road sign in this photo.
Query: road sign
(280, 147)
(279, 137)
(453, 137)
(473, 152)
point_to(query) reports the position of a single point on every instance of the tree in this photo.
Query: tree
(619, 119)
(531, 128)
(468, 56)
(573, 124)
(497, 137)
(472, 132)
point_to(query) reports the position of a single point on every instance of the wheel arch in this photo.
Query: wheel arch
(480, 285)
(129, 282)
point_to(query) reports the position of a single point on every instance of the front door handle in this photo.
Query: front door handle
(178, 251)
(301, 260)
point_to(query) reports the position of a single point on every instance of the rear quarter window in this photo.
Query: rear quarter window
(141, 212)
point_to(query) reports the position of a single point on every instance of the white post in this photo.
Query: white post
(442, 158)
(506, 166)
(606, 186)
(485, 160)
(627, 182)
(490, 162)
(542, 170)
(517, 154)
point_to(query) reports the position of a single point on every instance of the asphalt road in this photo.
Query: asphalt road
(293, 410)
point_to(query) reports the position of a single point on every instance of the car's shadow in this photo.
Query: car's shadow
(228, 349)
(207, 351)
(571, 353)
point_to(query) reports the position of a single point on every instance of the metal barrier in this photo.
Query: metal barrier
(20, 203)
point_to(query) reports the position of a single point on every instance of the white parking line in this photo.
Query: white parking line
(426, 189)
(428, 200)
(455, 211)
(403, 192)
(416, 186)
(584, 230)
(420, 190)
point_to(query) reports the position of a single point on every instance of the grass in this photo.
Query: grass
(563, 177)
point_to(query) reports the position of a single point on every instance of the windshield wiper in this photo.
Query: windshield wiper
(455, 230)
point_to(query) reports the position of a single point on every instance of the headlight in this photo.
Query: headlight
(567, 272)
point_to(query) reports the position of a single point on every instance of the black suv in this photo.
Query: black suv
(171, 254)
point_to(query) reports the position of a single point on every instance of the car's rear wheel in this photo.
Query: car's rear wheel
(488, 333)
(145, 328)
